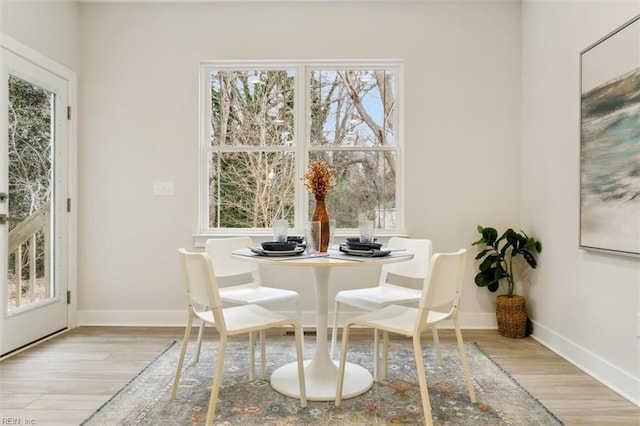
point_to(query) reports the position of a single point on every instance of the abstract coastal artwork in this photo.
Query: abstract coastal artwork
(610, 142)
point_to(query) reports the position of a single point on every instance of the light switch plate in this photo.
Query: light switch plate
(163, 189)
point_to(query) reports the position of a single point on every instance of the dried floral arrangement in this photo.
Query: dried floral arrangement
(319, 178)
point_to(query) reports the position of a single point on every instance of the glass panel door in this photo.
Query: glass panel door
(32, 198)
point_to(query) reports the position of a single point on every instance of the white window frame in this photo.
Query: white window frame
(302, 146)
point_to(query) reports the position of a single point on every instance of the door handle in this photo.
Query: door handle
(3, 196)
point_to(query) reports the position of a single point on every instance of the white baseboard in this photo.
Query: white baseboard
(600, 369)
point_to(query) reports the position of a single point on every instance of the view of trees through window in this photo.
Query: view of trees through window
(252, 171)
(29, 172)
(263, 133)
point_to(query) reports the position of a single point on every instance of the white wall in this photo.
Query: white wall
(139, 106)
(50, 28)
(584, 304)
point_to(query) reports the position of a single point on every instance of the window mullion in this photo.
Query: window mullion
(244, 148)
(205, 155)
(301, 130)
(317, 148)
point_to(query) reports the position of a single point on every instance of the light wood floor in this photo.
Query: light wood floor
(65, 379)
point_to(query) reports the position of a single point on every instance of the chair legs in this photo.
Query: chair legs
(343, 361)
(300, 359)
(298, 313)
(183, 351)
(252, 357)
(252, 352)
(217, 379)
(263, 351)
(377, 376)
(213, 399)
(376, 355)
(199, 343)
(436, 342)
(463, 358)
(263, 356)
(385, 354)
(422, 380)
(334, 331)
(420, 370)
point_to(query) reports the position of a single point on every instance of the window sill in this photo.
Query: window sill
(199, 240)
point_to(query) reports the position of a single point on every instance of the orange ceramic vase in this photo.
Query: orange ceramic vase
(320, 214)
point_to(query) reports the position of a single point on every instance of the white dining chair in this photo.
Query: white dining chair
(205, 303)
(441, 290)
(385, 293)
(246, 288)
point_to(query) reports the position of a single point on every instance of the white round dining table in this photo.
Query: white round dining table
(321, 372)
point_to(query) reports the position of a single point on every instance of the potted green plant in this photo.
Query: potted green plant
(497, 256)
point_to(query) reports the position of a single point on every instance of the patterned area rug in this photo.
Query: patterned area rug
(500, 399)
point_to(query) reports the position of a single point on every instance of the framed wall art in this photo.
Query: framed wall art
(610, 142)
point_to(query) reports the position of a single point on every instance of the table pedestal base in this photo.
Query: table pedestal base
(321, 380)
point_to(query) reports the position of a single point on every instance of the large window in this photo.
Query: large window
(263, 123)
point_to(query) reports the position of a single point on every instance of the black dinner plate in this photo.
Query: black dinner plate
(353, 245)
(277, 253)
(364, 253)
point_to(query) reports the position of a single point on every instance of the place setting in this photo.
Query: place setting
(354, 247)
(284, 245)
(278, 249)
(355, 250)
(365, 245)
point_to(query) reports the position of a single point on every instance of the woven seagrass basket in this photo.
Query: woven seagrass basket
(511, 314)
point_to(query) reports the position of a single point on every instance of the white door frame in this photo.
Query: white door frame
(70, 77)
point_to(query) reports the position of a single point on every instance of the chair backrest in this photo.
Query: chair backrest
(200, 284)
(219, 250)
(443, 285)
(415, 268)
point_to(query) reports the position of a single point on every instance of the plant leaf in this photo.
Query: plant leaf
(531, 260)
(480, 241)
(490, 235)
(511, 236)
(483, 253)
(489, 262)
(499, 273)
(484, 278)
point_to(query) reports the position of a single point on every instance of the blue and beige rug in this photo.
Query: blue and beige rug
(500, 399)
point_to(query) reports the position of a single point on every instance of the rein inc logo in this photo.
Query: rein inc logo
(16, 421)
